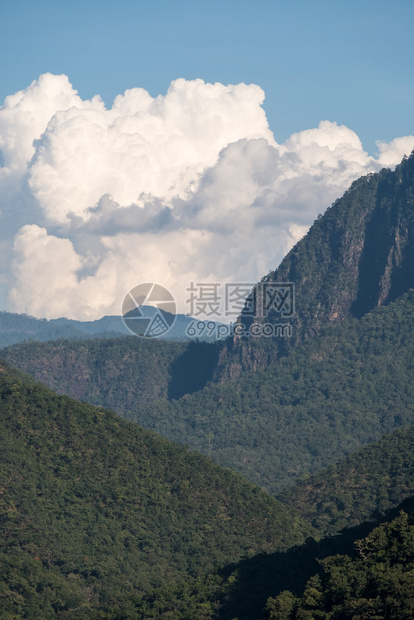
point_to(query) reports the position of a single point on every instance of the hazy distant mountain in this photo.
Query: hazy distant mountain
(16, 328)
(19, 327)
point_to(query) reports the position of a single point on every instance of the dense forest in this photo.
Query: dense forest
(102, 519)
(365, 570)
(117, 373)
(95, 508)
(359, 487)
(377, 581)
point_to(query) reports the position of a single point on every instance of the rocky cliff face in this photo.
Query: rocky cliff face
(358, 256)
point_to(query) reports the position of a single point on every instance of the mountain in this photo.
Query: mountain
(16, 328)
(103, 519)
(341, 381)
(356, 257)
(344, 388)
(95, 510)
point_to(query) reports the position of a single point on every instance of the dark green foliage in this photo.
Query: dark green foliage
(103, 372)
(96, 510)
(377, 582)
(357, 488)
(117, 373)
(242, 590)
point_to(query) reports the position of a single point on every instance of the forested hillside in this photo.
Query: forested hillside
(344, 388)
(117, 373)
(371, 481)
(307, 581)
(377, 581)
(96, 510)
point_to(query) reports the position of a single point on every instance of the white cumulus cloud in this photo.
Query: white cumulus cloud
(394, 151)
(141, 146)
(45, 268)
(187, 186)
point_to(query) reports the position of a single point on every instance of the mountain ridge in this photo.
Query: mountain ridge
(356, 257)
(15, 328)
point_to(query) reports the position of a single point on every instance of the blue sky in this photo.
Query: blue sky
(200, 180)
(349, 62)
